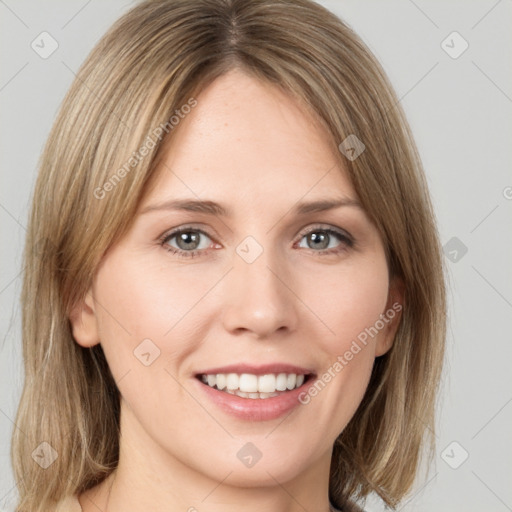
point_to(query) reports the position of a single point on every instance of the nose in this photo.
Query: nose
(259, 298)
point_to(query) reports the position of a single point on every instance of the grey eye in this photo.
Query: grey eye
(187, 240)
(321, 239)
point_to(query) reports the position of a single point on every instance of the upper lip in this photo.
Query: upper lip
(257, 370)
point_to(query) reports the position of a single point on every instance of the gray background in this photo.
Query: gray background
(460, 111)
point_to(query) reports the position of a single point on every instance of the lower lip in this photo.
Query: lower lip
(255, 409)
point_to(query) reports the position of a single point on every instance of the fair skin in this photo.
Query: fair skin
(252, 149)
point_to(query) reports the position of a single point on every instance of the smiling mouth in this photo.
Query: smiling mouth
(247, 385)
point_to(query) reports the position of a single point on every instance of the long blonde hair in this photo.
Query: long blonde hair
(150, 63)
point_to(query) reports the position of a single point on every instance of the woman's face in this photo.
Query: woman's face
(263, 288)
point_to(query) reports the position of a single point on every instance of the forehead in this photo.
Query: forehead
(250, 140)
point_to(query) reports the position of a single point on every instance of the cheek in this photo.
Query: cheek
(132, 307)
(137, 301)
(358, 301)
(351, 307)
(349, 302)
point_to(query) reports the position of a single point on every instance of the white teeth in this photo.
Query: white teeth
(281, 381)
(268, 395)
(291, 381)
(232, 381)
(221, 381)
(267, 383)
(251, 395)
(249, 385)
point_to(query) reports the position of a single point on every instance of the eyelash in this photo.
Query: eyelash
(343, 237)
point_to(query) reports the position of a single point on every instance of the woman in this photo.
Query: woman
(234, 291)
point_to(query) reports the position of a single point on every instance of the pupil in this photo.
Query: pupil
(320, 237)
(187, 240)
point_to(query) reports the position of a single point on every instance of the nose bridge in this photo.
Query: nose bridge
(258, 300)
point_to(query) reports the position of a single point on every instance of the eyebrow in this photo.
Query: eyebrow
(213, 208)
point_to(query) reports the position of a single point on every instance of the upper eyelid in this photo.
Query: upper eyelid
(186, 227)
(326, 227)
